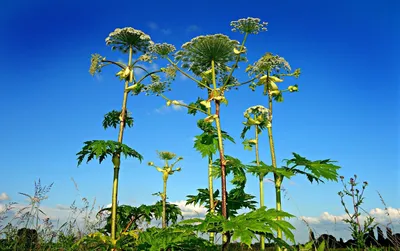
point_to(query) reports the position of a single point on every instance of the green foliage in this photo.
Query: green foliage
(172, 212)
(237, 198)
(309, 246)
(263, 169)
(176, 238)
(207, 142)
(112, 119)
(100, 241)
(314, 170)
(233, 166)
(128, 218)
(100, 149)
(244, 227)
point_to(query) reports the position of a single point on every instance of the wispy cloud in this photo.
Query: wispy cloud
(192, 28)
(4, 196)
(152, 25)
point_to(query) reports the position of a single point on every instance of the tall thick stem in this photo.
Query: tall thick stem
(223, 167)
(211, 192)
(261, 184)
(221, 157)
(116, 168)
(277, 178)
(164, 203)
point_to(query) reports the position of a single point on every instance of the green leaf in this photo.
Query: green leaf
(248, 145)
(278, 97)
(100, 149)
(321, 246)
(263, 169)
(244, 227)
(314, 170)
(112, 119)
(207, 142)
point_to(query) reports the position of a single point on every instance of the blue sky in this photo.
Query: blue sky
(346, 109)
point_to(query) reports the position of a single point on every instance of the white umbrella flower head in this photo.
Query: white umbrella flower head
(128, 37)
(198, 54)
(249, 25)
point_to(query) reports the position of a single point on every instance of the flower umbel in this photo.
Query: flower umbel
(164, 155)
(170, 71)
(268, 64)
(96, 64)
(123, 39)
(198, 54)
(249, 25)
(157, 86)
(162, 49)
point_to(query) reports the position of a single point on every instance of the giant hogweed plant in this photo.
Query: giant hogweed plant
(213, 59)
(269, 70)
(257, 117)
(166, 170)
(128, 41)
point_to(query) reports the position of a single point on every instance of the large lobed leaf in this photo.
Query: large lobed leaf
(100, 149)
(314, 170)
(246, 226)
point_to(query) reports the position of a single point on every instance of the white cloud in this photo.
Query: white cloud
(4, 196)
(190, 210)
(379, 214)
